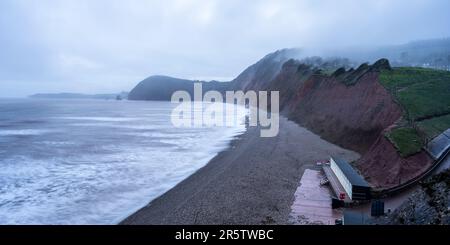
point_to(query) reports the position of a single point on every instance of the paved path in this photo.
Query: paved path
(312, 203)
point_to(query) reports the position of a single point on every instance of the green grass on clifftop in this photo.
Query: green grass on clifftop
(424, 95)
(406, 140)
(435, 126)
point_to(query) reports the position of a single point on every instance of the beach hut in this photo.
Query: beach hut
(354, 185)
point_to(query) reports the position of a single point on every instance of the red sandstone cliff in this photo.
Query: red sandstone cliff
(350, 108)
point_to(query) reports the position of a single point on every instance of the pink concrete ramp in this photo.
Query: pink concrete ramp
(312, 204)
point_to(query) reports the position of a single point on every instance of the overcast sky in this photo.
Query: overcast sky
(96, 46)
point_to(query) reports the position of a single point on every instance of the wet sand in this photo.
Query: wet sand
(252, 182)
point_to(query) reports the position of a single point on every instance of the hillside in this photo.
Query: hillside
(386, 114)
(359, 109)
(432, 53)
(424, 97)
(348, 107)
(258, 75)
(162, 88)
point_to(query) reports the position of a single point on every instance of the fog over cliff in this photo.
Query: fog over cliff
(106, 46)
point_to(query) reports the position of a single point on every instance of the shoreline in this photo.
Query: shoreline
(253, 181)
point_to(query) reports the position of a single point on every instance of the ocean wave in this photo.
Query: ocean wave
(99, 175)
(101, 119)
(24, 132)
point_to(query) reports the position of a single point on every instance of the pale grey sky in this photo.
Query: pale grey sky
(96, 46)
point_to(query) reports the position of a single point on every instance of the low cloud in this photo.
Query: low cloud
(112, 44)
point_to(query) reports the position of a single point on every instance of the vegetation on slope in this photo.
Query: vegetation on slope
(424, 95)
(435, 126)
(407, 140)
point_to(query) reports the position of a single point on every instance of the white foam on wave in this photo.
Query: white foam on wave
(123, 126)
(57, 143)
(95, 188)
(101, 119)
(24, 132)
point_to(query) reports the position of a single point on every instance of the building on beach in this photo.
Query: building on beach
(346, 183)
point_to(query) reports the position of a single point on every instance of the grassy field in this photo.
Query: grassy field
(435, 126)
(406, 140)
(424, 95)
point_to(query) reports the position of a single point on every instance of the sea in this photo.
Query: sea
(95, 161)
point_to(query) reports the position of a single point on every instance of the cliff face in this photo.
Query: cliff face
(384, 167)
(352, 116)
(352, 109)
(349, 107)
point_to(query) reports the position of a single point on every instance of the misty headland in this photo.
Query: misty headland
(343, 101)
(362, 90)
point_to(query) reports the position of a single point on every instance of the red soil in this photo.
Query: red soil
(384, 168)
(349, 108)
(353, 116)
